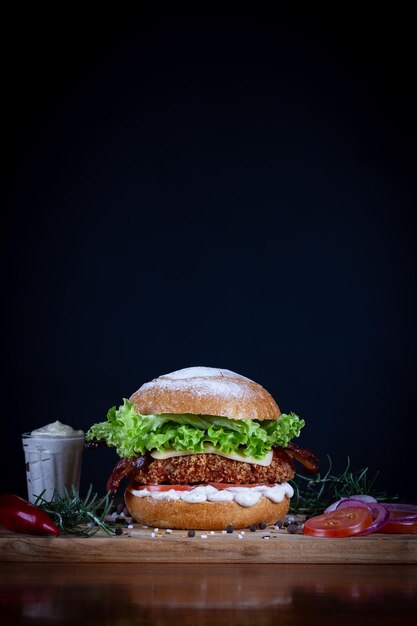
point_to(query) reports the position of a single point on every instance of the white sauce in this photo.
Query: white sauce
(245, 496)
(57, 429)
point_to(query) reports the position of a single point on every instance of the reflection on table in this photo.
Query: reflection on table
(241, 595)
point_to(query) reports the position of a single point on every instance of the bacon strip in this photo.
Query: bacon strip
(308, 459)
(125, 467)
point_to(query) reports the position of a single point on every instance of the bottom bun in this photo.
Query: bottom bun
(203, 515)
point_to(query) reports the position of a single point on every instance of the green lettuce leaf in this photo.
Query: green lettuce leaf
(134, 434)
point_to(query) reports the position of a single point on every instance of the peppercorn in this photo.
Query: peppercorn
(191, 533)
(229, 528)
(278, 524)
(292, 528)
(252, 528)
(262, 525)
(118, 531)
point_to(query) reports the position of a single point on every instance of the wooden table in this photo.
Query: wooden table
(191, 594)
(162, 578)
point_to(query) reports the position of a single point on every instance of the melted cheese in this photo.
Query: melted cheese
(234, 456)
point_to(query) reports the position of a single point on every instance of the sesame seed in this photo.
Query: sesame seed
(130, 525)
(212, 532)
(240, 536)
(203, 536)
(168, 531)
(224, 532)
(153, 535)
(155, 530)
(265, 537)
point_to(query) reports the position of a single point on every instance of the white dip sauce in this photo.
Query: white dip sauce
(245, 496)
(56, 429)
(53, 456)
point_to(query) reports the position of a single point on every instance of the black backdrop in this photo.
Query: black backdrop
(231, 189)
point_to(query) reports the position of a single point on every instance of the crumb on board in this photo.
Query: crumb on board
(272, 531)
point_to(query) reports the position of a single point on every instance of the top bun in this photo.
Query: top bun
(206, 391)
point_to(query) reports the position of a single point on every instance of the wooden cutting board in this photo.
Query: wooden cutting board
(145, 545)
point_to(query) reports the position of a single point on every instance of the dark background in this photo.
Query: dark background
(231, 189)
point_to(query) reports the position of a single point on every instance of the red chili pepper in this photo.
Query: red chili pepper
(22, 517)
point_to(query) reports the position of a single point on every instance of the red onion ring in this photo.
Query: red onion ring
(332, 507)
(364, 498)
(349, 503)
(395, 510)
(380, 514)
(361, 497)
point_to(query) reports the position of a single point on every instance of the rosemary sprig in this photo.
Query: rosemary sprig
(313, 494)
(78, 516)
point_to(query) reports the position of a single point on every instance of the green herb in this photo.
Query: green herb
(313, 494)
(74, 515)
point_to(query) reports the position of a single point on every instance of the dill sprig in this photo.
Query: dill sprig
(74, 515)
(313, 494)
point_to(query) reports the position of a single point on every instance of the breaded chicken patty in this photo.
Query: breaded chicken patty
(205, 468)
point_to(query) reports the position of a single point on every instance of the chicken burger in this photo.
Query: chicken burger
(203, 448)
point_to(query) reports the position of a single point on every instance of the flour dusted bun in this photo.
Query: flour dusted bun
(202, 515)
(206, 391)
(202, 391)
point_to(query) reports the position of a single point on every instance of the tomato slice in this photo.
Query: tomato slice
(221, 486)
(217, 486)
(403, 528)
(339, 523)
(165, 487)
